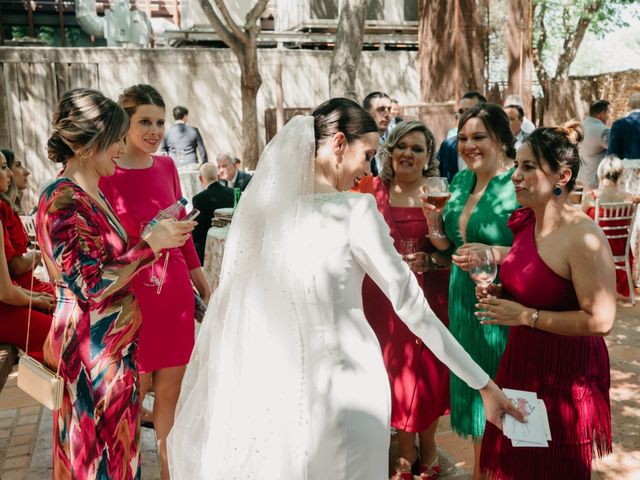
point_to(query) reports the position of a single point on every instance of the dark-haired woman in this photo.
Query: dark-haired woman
(482, 199)
(144, 184)
(14, 299)
(93, 337)
(20, 261)
(558, 296)
(287, 379)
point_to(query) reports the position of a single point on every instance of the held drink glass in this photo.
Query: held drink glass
(482, 266)
(437, 194)
(408, 246)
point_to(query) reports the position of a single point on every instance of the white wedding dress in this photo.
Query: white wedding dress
(288, 383)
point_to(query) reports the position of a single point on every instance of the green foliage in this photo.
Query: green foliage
(48, 35)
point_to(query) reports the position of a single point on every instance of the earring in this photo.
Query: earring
(557, 191)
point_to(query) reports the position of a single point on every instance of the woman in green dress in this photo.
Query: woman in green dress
(481, 202)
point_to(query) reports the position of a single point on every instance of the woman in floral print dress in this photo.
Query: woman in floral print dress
(95, 325)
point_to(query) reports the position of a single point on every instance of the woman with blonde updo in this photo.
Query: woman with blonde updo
(558, 298)
(94, 334)
(610, 173)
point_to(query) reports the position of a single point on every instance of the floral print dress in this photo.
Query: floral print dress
(94, 333)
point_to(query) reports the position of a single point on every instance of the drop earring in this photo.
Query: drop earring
(557, 191)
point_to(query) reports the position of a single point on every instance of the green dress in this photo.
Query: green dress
(485, 343)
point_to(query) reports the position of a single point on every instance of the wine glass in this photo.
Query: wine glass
(437, 194)
(408, 246)
(482, 266)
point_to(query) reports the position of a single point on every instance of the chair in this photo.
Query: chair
(29, 222)
(616, 221)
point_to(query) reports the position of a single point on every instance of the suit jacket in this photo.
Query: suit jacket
(213, 197)
(242, 180)
(592, 150)
(180, 142)
(625, 136)
(448, 157)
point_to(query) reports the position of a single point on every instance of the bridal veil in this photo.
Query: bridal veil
(244, 405)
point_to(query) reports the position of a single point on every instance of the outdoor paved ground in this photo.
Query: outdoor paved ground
(25, 427)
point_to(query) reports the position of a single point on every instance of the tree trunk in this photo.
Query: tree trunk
(250, 82)
(519, 51)
(347, 50)
(440, 34)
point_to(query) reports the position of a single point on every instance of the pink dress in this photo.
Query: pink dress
(419, 381)
(167, 332)
(571, 374)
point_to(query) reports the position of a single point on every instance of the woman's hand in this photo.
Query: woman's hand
(169, 233)
(496, 405)
(493, 290)
(463, 254)
(497, 311)
(418, 262)
(43, 302)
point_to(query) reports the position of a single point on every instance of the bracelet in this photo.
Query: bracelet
(534, 318)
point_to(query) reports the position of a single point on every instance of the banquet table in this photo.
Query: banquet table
(213, 252)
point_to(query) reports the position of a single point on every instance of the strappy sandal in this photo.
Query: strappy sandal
(402, 469)
(429, 472)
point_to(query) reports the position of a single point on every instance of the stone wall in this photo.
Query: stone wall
(205, 80)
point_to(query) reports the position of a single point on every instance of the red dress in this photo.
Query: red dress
(617, 247)
(419, 381)
(14, 319)
(571, 374)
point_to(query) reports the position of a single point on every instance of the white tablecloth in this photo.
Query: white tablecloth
(189, 182)
(213, 252)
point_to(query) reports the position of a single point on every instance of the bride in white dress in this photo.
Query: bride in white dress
(286, 381)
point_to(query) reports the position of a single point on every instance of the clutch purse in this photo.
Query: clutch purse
(34, 378)
(39, 382)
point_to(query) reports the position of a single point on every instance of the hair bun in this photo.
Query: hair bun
(573, 131)
(57, 150)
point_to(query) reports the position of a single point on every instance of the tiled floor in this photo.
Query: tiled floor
(25, 427)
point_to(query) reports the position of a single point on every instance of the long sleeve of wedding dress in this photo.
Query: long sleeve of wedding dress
(374, 251)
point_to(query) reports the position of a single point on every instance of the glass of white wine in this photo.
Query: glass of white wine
(483, 268)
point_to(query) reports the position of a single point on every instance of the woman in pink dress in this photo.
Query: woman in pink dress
(558, 295)
(419, 381)
(142, 185)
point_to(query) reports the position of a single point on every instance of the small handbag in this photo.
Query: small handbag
(201, 307)
(34, 378)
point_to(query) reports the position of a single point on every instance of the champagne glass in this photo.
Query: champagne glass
(483, 268)
(437, 194)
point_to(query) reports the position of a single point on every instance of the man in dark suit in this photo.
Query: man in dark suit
(213, 196)
(230, 175)
(181, 141)
(625, 132)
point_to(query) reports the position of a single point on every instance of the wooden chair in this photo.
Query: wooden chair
(616, 221)
(29, 222)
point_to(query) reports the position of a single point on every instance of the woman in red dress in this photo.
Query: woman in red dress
(610, 172)
(558, 295)
(419, 381)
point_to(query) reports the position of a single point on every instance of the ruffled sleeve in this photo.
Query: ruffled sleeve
(520, 218)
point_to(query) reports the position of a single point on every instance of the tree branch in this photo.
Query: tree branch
(231, 24)
(256, 12)
(573, 37)
(225, 35)
(538, 64)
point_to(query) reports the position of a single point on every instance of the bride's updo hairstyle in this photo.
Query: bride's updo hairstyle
(341, 115)
(85, 122)
(558, 148)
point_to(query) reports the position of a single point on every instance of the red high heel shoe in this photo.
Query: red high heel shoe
(402, 469)
(430, 472)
